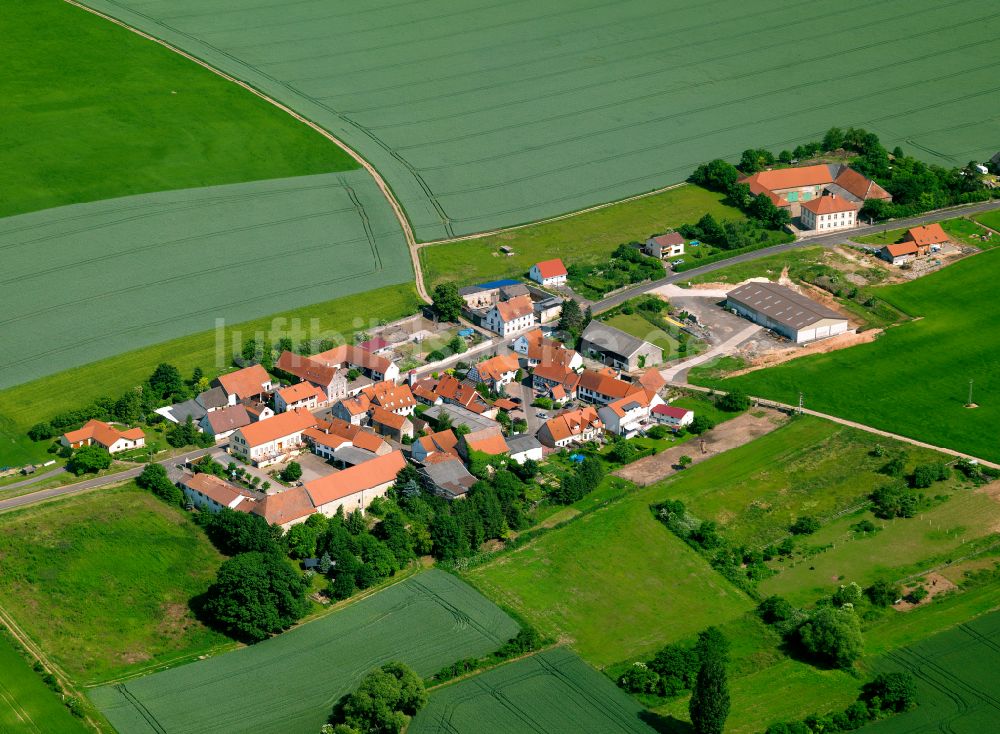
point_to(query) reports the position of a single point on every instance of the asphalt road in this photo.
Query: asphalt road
(825, 240)
(47, 494)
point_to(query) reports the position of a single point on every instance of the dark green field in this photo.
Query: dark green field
(26, 705)
(914, 379)
(91, 111)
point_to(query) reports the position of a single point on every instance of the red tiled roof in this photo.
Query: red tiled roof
(668, 239)
(494, 444)
(443, 441)
(370, 474)
(306, 369)
(830, 205)
(215, 488)
(551, 268)
(515, 308)
(102, 433)
(495, 367)
(671, 411)
(300, 391)
(386, 418)
(932, 234)
(903, 248)
(245, 383)
(651, 379)
(390, 395)
(283, 424)
(606, 385)
(284, 507)
(505, 404)
(355, 356)
(859, 185)
(572, 423)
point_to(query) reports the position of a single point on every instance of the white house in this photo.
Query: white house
(209, 492)
(523, 447)
(509, 317)
(267, 442)
(671, 415)
(664, 246)
(301, 395)
(828, 213)
(495, 371)
(98, 433)
(549, 272)
(627, 416)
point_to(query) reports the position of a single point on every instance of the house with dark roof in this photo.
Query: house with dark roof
(449, 479)
(616, 348)
(524, 446)
(223, 423)
(786, 312)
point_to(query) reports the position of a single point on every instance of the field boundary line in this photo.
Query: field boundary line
(383, 186)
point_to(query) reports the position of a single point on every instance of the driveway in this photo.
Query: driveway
(678, 372)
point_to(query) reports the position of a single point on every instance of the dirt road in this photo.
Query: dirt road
(736, 432)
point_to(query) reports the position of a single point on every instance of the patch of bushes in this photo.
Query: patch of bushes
(525, 641)
(805, 525)
(579, 482)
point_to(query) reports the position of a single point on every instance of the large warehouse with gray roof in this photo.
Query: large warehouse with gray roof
(783, 310)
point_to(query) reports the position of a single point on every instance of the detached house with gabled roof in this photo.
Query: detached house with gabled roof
(354, 488)
(830, 212)
(99, 433)
(664, 246)
(549, 272)
(331, 380)
(300, 395)
(495, 371)
(247, 383)
(510, 317)
(269, 441)
(573, 427)
(627, 416)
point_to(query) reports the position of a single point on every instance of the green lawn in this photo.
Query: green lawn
(769, 266)
(959, 229)
(24, 405)
(92, 111)
(26, 704)
(914, 379)
(101, 581)
(582, 239)
(289, 684)
(615, 584)
(991, 220)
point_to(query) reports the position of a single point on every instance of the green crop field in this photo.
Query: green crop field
(553, 692)
(489, 114)
(24, 405)
(914, 379)
(26, 705)
(101, 581)
(956, 673)
(581, 239)
(92, 111)
(614, 583)
(132, 272)
(288, 685)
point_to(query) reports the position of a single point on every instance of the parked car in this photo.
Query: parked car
(542, 414)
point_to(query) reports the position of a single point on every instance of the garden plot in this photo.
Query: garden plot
(288, 685)
(92, 280)
(484, 115)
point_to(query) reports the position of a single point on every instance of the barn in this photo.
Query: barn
(786, 312)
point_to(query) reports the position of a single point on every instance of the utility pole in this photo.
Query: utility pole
(970, 392)
(802, 401)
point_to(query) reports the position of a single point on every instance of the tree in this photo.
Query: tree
(89, 460)
(154, 478)
(833, 636)
(446, 535)
(677, 667)
(883, 593)
(709, 705)
(775, 609)
(457, 345)
(894, 692)
(710, 230)
(623, 452)
(833, 139)
(128, 408)
(256, 595)
(805, 525)
(893, 500)
(700, 424)
(166, 381)
(640, 679)
(447, 302)
(571, 318)
(734, 401)
(684, 462)
(384, 701)
(292, 472)
(717, 175)
(240, 532)
(41, 431)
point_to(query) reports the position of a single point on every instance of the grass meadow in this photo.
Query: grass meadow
(426, 621)
(582, 239)
(991, 220)
(914, 379)
(24, 405)
(92, 111)
(26, 704)
(552, 691)
(614, 583)
(510, 112)
(101, 581)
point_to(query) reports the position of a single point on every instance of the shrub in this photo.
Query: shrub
(700, 424)
(89, 460)
(640, 679)
(805, 525)
(894, 692)
(883, 593)
(833, 636)
(893, 500)
(734, 401)
(292, 472)
(917, 595)
(775, 609)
